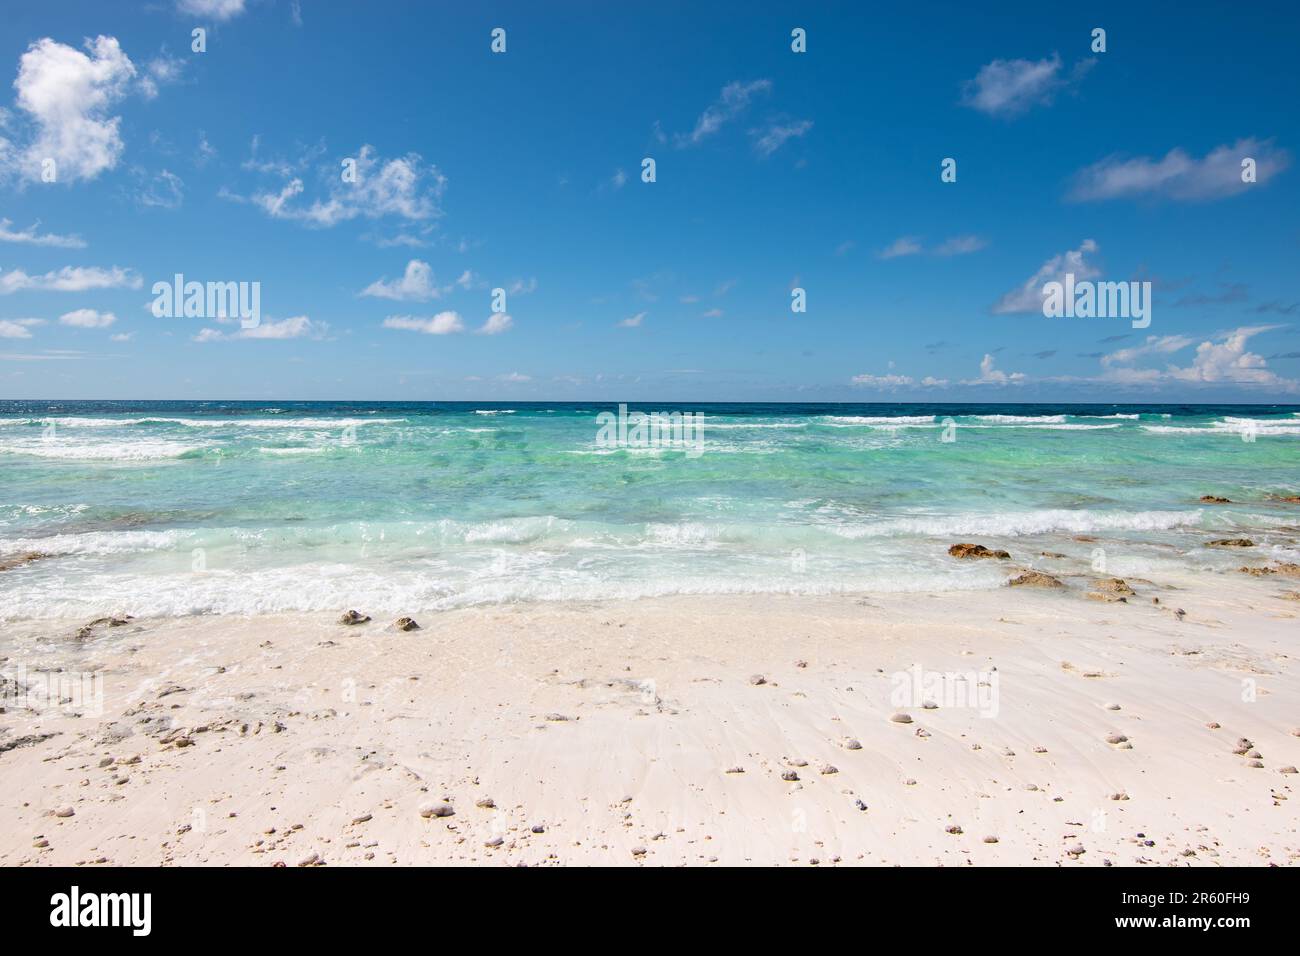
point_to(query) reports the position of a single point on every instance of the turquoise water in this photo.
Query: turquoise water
(174, 508)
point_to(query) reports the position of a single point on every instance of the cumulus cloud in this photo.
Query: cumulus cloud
(18, 328)
(731, 102)
(496, 323)
(1008, 88)
(1179, 176)
(70, 279)
(994, 376)
(87, 319)
(1028, 297)
(632, 321)
(444, 323)
(31, 237)
(1225, 361)
(405, 187)
(67, 95)
(417, 284)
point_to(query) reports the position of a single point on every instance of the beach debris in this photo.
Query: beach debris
(88, 629)
(1076, 851)
(406, 624)
(900, 718)
(1114, 586)
(857, 802)
(1116, 739)
(557, 718)
(851, 743)
(736, 769)
(352, 617)
(436, 809)
(990, 839)
(1214, 500)
(1230, 543)
(966, 550)
(1286, 769)
(638, 851)
(1287, 569)
(757, 680)
(954, 830)
(486, 803)
(494, 842)
(19, 559)
(790, 776)
(829, 769)
(1035, 579)
(65, 811)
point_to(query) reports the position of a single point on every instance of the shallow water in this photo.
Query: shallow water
(173, 508)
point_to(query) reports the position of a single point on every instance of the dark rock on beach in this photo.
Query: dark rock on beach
(1035, 579)
(352, 617)
(1230, 543)
(1214, 500)
(976, 551)
(406, 624)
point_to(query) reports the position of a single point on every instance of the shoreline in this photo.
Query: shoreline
(267, 739)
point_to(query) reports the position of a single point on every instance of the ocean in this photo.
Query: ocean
(182, 508)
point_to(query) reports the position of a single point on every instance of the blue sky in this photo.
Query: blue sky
(522, 171)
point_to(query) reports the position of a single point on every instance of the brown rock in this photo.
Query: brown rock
(1230, 543)
(1214, 500)
(19, 559)
(1034, 579)
(406, 624)
(352, 617)
(976, 551)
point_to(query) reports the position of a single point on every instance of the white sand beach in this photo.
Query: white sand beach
(678, 731)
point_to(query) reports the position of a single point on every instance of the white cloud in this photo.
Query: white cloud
(931, 382)
(772, 137)
(1179, 176)
(993, 376)
(444, 323)
(515, 377)
(297, 327)
(912, 246)
(1154, 345)
(497, 323)
(122, 336)
(31, 237)
(87, 319)
(632, 321)
(160, 70)
(961, 246)
(619, 179)
(711, 314)
(881, 381)
(216, 9)
(416, 284)
(731, 102)
(902, 246)
(18, 328)
(1223, 362)
(1010, 87)
(522, 287)
(404, 187)
(1029, 296)
(70, 279)
(165, 191)
(68, 94)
